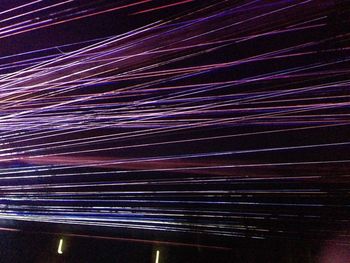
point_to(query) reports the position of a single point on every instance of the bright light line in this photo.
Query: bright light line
(157, 257)
(59, 250)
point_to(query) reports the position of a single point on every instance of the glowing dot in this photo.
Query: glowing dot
(157, 257)
(59, 250)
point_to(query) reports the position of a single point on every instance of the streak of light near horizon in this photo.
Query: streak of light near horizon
(157, 257)
(226, 119)
(60, 245)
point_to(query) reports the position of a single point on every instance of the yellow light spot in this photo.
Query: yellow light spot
(157, 257)
(59, 250)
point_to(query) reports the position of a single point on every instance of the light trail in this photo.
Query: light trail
(228, 120)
